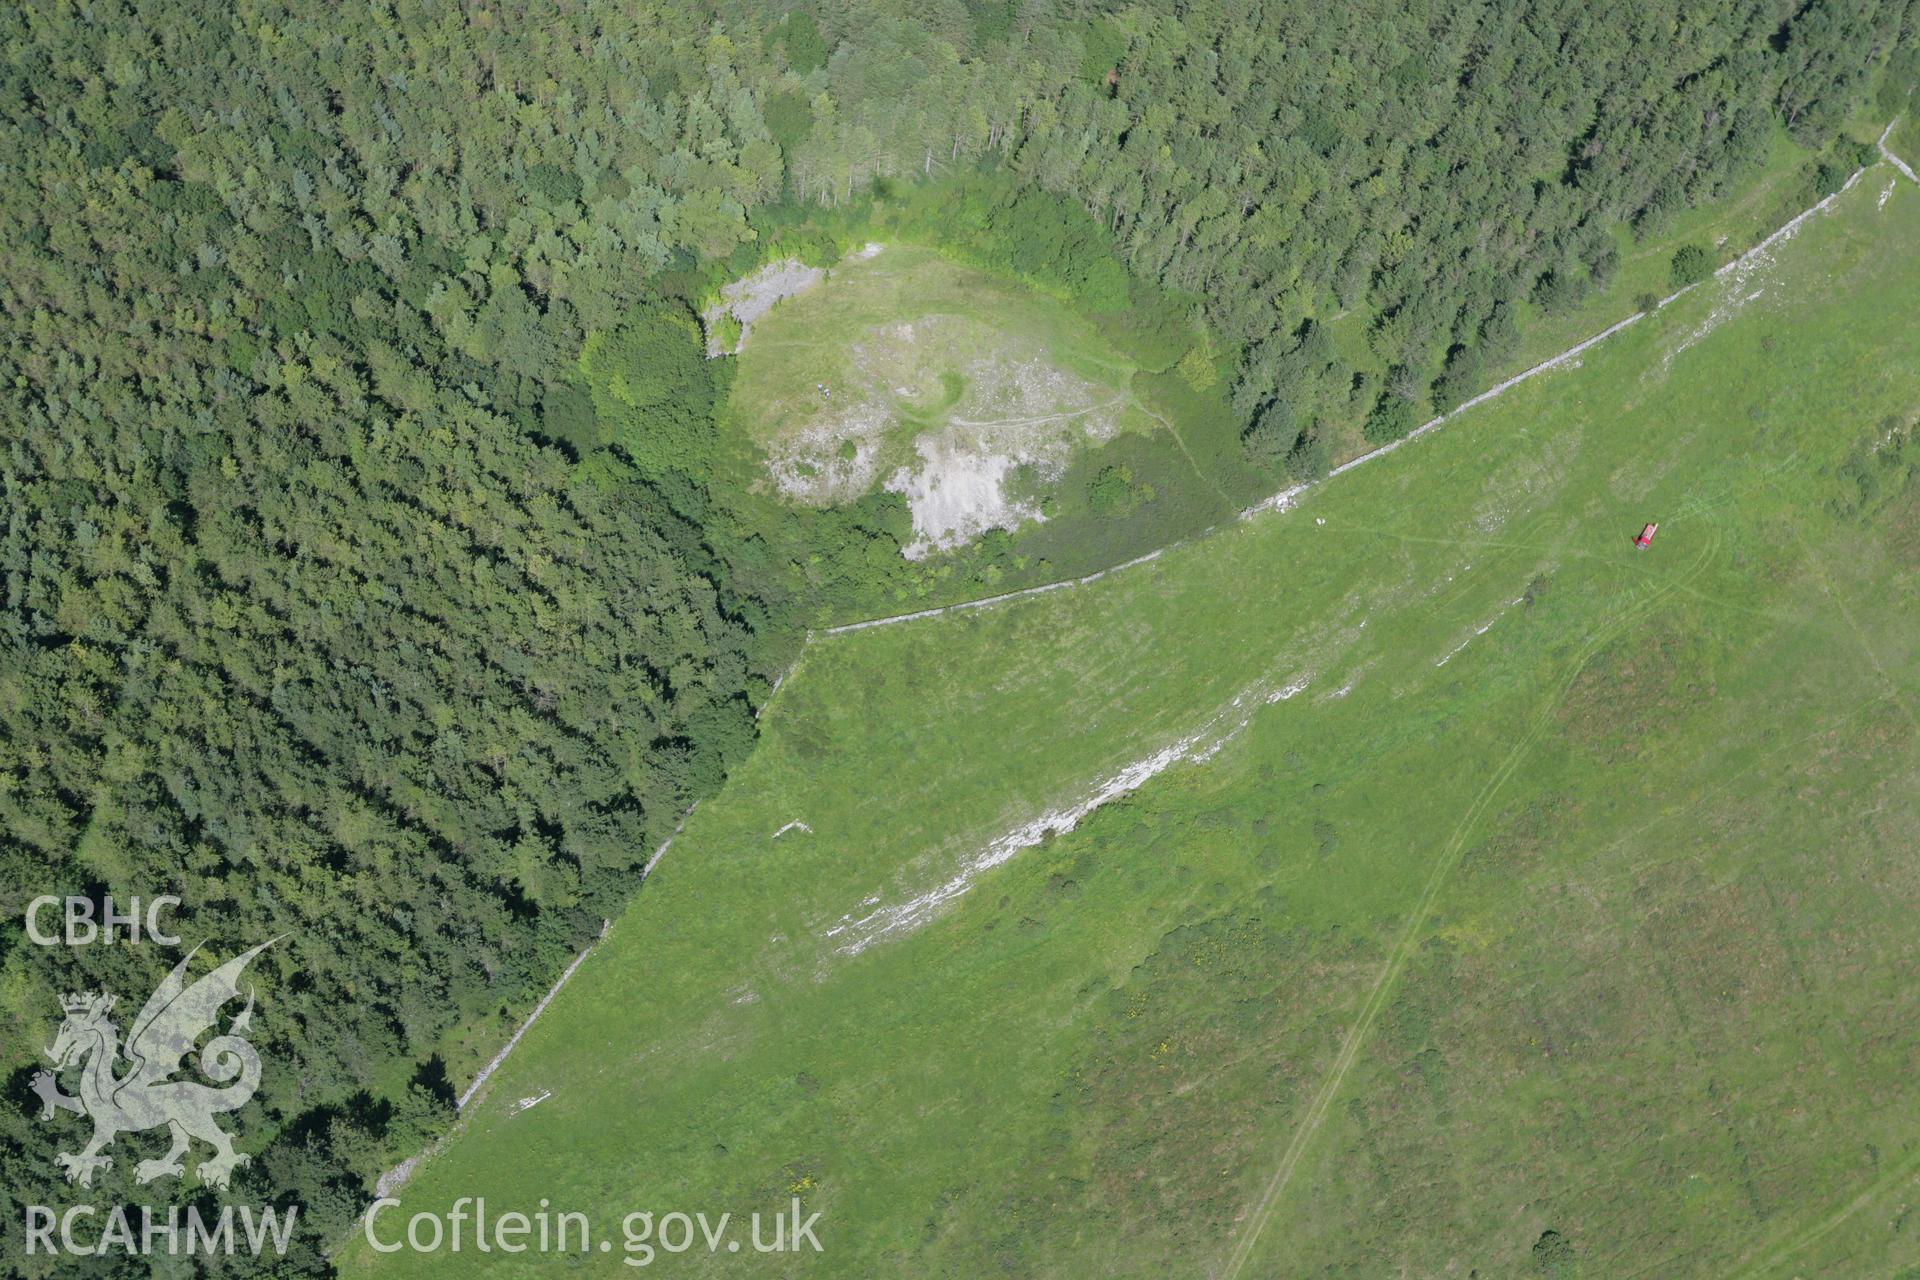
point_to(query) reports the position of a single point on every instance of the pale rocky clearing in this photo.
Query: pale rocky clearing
(752, 297)
(967, 420)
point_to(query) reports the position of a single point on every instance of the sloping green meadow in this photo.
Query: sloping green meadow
(1519, 901)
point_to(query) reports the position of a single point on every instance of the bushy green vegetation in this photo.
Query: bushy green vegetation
(653, 391)
(1115, 492)
(1691, 265)
(1619, 837)
(1905, 140)
(1045, 239)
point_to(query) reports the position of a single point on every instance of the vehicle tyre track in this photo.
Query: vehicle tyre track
(1403, 947)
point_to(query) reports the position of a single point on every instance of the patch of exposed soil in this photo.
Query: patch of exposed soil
(982, 409)
(751, 297)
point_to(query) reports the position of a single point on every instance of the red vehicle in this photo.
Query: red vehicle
(1646, 536)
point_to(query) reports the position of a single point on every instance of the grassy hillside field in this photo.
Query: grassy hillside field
(1510, 899)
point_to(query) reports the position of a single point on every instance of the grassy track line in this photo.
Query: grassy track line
(1410, 933)
(1826, 585)
(1787, 1248)
(1193, 462)
(1041, 420)
(1787, 748)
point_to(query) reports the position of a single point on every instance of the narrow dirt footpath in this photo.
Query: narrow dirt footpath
(1411, 931)
(1185, 452)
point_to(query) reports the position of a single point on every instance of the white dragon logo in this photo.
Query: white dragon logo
(174, 1018)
